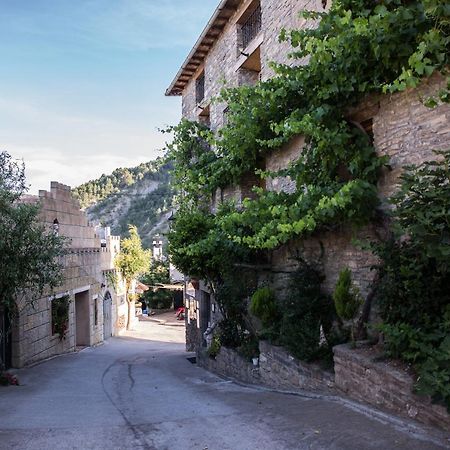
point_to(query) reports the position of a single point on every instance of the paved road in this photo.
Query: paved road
(132, 393)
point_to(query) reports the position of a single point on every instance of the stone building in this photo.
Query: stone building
(88, 290)
(235, 48)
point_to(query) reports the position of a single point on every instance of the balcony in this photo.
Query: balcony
(251, 27)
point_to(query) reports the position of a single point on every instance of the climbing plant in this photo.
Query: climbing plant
(358, 48)
(60, 316)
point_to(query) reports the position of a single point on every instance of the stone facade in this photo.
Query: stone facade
(402, 128)
(84, 281)
(223, 64)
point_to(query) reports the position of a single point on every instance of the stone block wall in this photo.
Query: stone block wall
(360, 374)
(32, 337)
(279, 370)
(276, 369)
(406, 131)
(221, 66)
(229, 364)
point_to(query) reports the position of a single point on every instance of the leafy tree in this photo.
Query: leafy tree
(131, 262)
(158, 274)
(30, 255)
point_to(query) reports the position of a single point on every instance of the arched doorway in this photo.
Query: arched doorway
(107, 316)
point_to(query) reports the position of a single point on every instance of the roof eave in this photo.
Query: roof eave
(173, 90)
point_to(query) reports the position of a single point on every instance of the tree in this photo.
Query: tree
(158, 274)
(131, 262)
(30, 254)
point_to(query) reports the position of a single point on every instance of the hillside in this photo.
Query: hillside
(141, 196)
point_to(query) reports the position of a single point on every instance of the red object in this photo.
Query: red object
(180, 313)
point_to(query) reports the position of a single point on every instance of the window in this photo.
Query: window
(200, 88)
(251, 26)
(96, 311)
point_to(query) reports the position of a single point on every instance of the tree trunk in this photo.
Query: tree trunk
(130, 307)
(130, 314)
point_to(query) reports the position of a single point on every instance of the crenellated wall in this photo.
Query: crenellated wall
(84, 282)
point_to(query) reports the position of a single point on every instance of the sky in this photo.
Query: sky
(82, 82)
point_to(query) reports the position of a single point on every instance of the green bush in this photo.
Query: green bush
(214, 349)
(306, 310)
(428, 350)
(347, 299)
(412, 294)
(249, 348)
(264, 306)
(230, 333)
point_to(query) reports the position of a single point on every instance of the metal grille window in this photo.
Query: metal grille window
(251, 27)
(200, 88)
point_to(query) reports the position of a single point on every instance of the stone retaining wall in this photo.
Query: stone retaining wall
(277, 369)
(359, 374)
(363, 377)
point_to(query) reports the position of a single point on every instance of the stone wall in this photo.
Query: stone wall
(276, 369)
(83, 266)
(360, 374)
(229, 364)
(406, 131)
(222, 66)
(280, 370)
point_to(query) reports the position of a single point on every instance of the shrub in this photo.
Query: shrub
(347, 299)
(214, 348)
(304, 313)
(413, 294)
(264, 306)
(60, 315)
(249, 348)
(7, 378)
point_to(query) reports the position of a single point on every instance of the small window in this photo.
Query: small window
(96, 311)
(225, 113)
(367, 125)
(200, 88)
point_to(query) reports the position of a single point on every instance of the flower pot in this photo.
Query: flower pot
(255, 361)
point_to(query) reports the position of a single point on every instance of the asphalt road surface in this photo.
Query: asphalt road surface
(141, 392)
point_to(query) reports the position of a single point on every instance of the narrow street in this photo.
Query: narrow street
(136, 393)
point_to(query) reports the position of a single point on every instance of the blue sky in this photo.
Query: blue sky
(82, 81)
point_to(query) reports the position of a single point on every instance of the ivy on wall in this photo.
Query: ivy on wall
(358, 48)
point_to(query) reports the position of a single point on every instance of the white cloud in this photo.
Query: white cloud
(40, 161)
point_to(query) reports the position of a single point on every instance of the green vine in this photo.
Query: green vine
(60, 316)
(359, 48)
